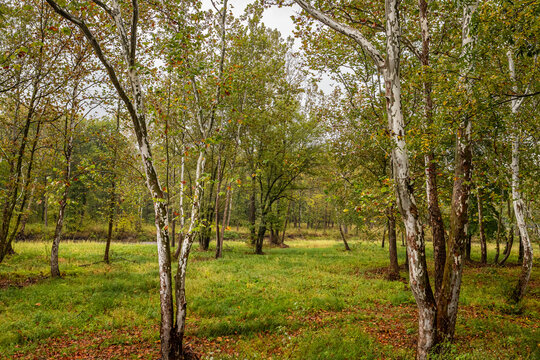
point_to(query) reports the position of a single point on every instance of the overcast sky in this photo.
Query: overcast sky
(274, 17)
(277, 18)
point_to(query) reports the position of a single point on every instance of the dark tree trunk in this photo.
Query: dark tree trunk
(483, 245)
(112, 208)
(45, 210)
(274, 235)
(252, 213)
(498, 238)
(407, 260)
(392, 245)
(508, 247)
(260, 238)
(521, 252)
(468, 248)
(347, 248)
(384, 236)
(282, 242)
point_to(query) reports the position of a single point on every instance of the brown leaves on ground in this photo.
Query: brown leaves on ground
(389, 325)
(106, 344)
(19, 281)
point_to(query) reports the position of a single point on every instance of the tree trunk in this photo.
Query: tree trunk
(483, 245)
(170, 344)
(55, 271)
(521, 249)
(45, 208)
(347, 248)
(508, 247)
(418, 275)
(180, 279)
(22, 217)
(468, 248)
(69, 129)
(453, 270)
(14, 182)
(181, 204)
(432, 191)
(225, 220)
(252, 213)
(519, 206)
(112, 210)
(219, 239)
(392, 245)
(26, 215)
(274, 235)
(260, 237)
(499, 231)
(282, 242)
(384, 235)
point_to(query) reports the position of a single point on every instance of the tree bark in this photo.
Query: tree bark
(483, 245)
(15, 175)
(508, 247)
(135, 105)
(432, 191)
(112, 210)
(468, 248)
(499, 231)
(69, 129)
(180, 279)
(347, 248)
(260, 237)
(252, 214)
(55, 271)
(453, 270)
(392, 245)
(519, 206)
(282, 242)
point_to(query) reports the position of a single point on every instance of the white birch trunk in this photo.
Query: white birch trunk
(390, 68)
(451, 286)
(180, 279)
(418, 277)
(519, 205)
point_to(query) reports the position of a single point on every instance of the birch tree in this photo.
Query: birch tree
(132, 96)
(389, 67)
(517, 201)
(436, 318)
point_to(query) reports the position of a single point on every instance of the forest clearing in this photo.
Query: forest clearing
(286, 179)
(313, 300)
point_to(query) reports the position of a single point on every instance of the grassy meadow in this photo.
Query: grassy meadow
(310, 301)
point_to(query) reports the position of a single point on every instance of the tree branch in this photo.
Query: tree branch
(345, 30)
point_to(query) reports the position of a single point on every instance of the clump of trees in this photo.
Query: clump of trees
(125, 113)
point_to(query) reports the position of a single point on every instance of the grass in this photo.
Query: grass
(309, 301)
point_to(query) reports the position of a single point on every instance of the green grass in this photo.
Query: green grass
(310, 301)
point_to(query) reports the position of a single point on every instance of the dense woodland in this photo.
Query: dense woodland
(126, 121)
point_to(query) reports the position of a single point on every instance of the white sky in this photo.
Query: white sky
(274, 17)
(278, 18)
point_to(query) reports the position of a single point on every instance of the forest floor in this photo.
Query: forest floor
(310, 301)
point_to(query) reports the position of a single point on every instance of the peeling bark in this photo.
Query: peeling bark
(519, 205)
(390, 69)
(451, 285)
(432, 191)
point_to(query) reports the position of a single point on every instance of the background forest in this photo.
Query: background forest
(124, 123)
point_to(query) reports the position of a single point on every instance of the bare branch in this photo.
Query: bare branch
(346, 30)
